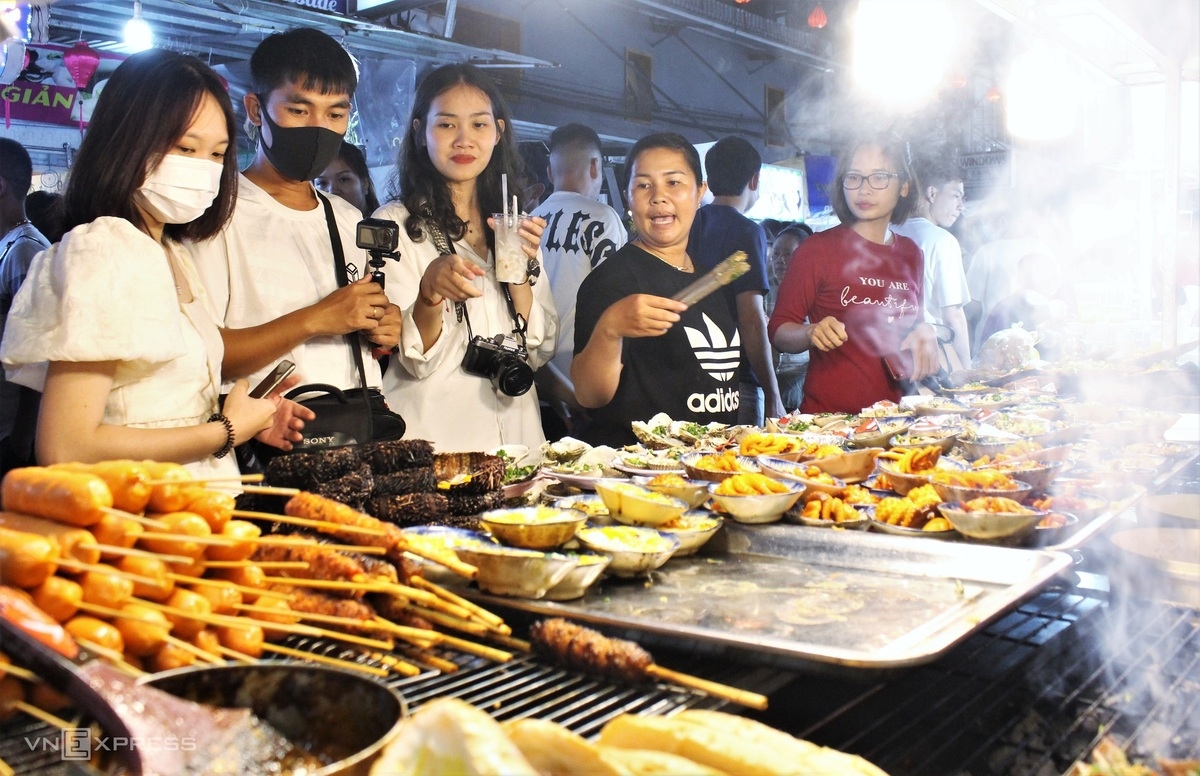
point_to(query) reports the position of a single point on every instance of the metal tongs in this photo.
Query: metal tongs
(719, 276)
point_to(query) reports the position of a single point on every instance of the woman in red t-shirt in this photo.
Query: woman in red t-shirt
(853, 294)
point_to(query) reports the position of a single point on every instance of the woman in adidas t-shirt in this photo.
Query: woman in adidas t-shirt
(637, 351)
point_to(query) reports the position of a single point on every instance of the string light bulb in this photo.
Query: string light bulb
(138, 35)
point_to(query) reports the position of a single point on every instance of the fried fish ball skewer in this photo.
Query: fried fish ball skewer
(26, 560)
(77, 543)
(74, 498)
(394, 540)
(583, 648)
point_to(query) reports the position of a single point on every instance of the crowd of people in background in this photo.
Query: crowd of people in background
(235, 270)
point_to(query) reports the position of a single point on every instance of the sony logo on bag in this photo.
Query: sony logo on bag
(319, 440)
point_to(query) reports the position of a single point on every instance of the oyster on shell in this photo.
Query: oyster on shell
(565, 450)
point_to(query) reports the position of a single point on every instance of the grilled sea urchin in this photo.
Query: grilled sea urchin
(405, 481)
(389, 457)
(352, 489)
(307, 470)
(410, 510)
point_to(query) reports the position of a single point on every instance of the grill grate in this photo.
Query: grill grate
(1031, 695)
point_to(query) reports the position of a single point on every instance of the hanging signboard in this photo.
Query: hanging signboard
(327, 6)
(45, 92)
(981, 172)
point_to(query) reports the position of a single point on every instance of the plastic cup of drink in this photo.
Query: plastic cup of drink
(511, 261)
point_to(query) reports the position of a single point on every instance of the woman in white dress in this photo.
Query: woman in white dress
(111, 323)
(448, 180)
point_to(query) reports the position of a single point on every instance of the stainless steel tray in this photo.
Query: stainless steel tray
(818, 596)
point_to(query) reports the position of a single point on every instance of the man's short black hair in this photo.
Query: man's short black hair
(16, 167)
(305, 56)
(730, 164)
(574, 137)
(937, 169)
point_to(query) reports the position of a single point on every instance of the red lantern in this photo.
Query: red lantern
(81, 62)
(817, 19)
(741, 2)
(992, 95)
(958, 80)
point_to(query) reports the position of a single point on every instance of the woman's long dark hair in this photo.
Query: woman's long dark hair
(417, 183)
(145, 108)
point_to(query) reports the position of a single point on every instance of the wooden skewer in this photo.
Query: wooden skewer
(429, 599)
(267, 490)
(333, 661)
(133, 552)
(309, 630)
(402, 667)
(328, 619)
(474, 628)
(419, 636)
(476, 609)
(433, 661)
(441, 557)
(741, 697)
(471, 648)
(112, 655)
(233, 654)
(330, 584)
(215, 541)
(279, 541)
(148, 521)
(203, 480)
(308, 522)
(42, 714)
(6, 769)
(188, 646)
(520, 645)
(295, 565)
(244, 589)
(75, 565)
(20, 673)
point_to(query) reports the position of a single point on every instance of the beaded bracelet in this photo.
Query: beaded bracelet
(229, 436)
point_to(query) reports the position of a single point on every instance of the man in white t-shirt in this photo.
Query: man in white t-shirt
(938, 206)
(270, 273)
(581, 231)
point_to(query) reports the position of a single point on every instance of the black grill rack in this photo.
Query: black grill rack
(1033, 694)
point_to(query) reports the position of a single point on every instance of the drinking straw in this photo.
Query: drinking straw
(504, 195)
(514, 212)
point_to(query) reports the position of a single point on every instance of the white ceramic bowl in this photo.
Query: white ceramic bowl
(634, 550)
(589, 504)
(633, 504)
(768, 508)
(952, 493)
(693, 492)
(793, 473)
(510, 571)
(533, 528)
(850, 467)
(693, 529)
(588, 569)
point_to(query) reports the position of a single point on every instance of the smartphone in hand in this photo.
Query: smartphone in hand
(899, 365)
(280, 373)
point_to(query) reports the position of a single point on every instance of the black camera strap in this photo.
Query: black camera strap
(339, 269)
(440, 241)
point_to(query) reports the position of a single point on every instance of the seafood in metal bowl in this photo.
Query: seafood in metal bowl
(510, 571)
(755, 498)
(829, 513)
(806, 474)
(633, 504)
(903, 482)
(634, 550)
(990, 518)
(693, 492)
(589, 504)
(534, 528)
(1052, 529)
(714, 467)
(940, 405)
(945, 440)
(1039, 476)
(977, 483)
(449, 538)
(587, 570)
(693, 529)
(850, 467)
(877, 432)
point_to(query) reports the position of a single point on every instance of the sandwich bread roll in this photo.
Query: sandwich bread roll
(556, 751)
(449, 736)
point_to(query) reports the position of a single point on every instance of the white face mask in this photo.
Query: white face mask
(180, 188)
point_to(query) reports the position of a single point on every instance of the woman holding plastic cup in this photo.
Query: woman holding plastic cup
(476, 322)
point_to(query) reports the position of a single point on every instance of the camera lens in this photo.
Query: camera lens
(513, 376)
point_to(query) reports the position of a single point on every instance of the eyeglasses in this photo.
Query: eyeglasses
(879, 180)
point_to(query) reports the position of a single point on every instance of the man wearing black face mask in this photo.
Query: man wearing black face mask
(270, 274)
